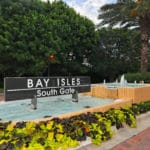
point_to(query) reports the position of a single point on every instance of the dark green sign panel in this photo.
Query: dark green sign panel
(17, 88)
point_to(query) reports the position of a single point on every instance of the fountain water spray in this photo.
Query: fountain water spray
(104, 82)
(123, 82)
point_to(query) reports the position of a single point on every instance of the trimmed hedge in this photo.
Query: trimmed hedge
(131, 77)
(64, 133)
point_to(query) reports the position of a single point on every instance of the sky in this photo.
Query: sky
(88, 8)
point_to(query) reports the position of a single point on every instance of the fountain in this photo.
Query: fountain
(123, 82)
(54, 106)
(116, 81)
(66, 100)
(104, 82)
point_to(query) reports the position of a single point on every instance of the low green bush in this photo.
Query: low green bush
(140, 108)
(131, 77)
(65, 133)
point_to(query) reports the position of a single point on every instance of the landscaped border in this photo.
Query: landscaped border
(67, 130)
(64, 133)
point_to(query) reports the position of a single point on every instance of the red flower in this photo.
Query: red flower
(52, 57)
(87, 129)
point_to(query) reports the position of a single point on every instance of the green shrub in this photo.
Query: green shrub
(131, 77)
(141, 108)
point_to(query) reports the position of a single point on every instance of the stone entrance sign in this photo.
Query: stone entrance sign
(17, 88)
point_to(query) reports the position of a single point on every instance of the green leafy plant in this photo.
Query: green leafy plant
(130, 116)
(116, 117)
(65, 133)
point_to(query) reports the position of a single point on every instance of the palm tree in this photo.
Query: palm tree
(130, 13)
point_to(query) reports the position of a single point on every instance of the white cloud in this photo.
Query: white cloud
(88, 8)
(47, 0)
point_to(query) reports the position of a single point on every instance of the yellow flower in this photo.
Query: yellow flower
(49, 125)
(10, 127)
(50, 136)
(2, 141)
(59, 137)
(30, 125)
(63, 147)
(59, 128)
(35, 146)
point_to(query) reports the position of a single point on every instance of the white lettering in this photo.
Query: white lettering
(62, 91)
(39, 83)
(63, 82)
(73, 81)
(66, 91)
(43, 93)
(68, 82)
(78, 81)
(29, 83)
(46, 82)
(58, 82)
(38, 93)
(46, 93)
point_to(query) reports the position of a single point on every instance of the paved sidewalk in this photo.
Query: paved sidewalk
(126, 138)
(138, 142)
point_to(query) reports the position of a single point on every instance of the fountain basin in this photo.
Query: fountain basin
(100, 98)
(47, 107)
(136, 94)
(118, 85)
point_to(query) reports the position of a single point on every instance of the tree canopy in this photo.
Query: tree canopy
(130, 13)
(117, 52)
(31, 30)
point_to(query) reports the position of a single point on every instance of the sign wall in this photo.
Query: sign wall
(26, 87)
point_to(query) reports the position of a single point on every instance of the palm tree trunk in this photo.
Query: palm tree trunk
(144, 44)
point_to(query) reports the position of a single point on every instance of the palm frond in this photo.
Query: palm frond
(114, 14)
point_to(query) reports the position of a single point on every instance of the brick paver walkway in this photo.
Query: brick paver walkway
(138, 142)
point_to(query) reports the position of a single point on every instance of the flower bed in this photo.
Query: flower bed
(64, 133)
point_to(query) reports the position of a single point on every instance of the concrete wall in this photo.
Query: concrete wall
(136, 94)
(102, 92)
